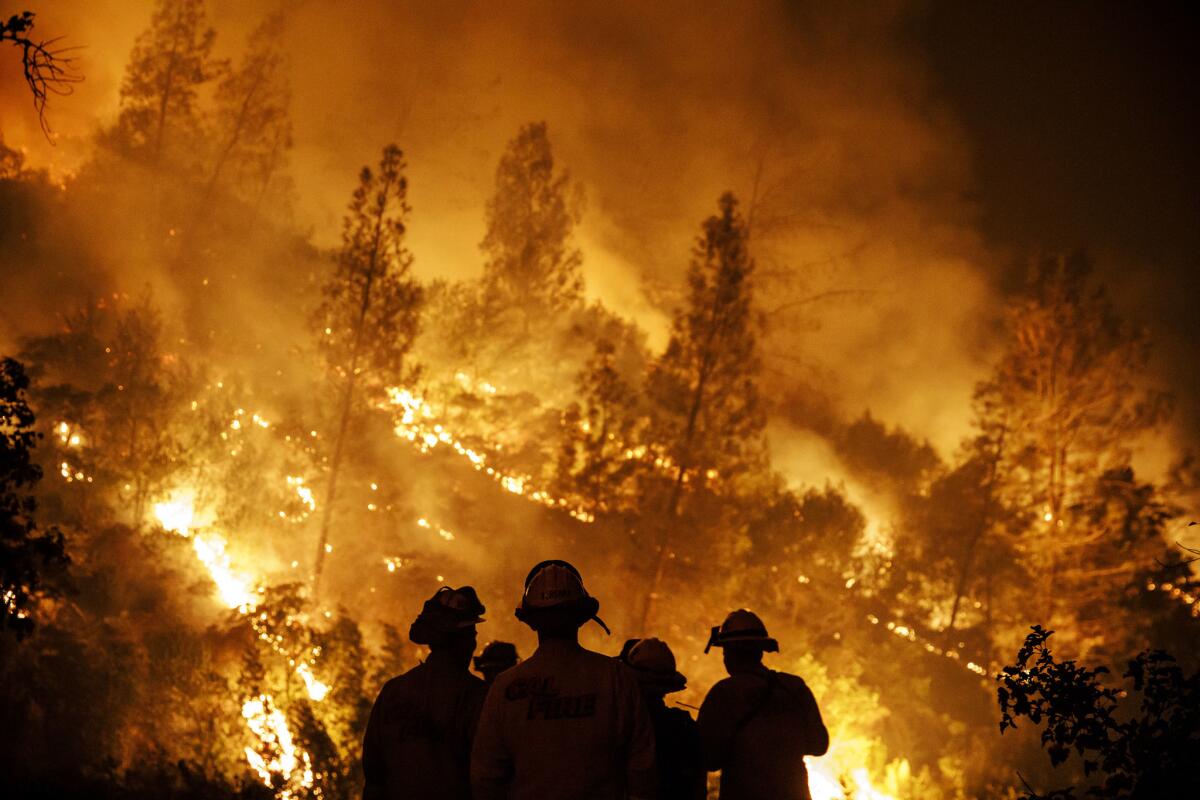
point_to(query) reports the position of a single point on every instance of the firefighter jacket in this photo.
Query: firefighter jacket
(565, 724)
(681, 773)
(418, 739)
(756, 727)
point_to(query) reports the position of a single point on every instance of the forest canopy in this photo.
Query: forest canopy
(236, 458)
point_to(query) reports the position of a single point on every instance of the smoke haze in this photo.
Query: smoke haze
(880, 285)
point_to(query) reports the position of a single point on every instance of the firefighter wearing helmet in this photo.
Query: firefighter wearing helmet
(757, 725)
(681, 773)
(418, 739)
(495, 658)
(566, 722)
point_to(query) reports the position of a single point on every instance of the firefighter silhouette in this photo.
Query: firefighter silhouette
(418, 739)
(494, 659)
(567, 722)
(757, 725)
(681, 773)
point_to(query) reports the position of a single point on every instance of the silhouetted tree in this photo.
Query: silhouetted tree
(532, 266)
(170, 61)
(1134, 753)
(26, 553)
(708, 421)
(254, 129)
(371, 310)
(47, 66)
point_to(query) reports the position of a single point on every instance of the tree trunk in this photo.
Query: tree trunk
(164, 102)
(331, 492)
(236, 135)
(347, 405)
(664, 538)
(980, 532)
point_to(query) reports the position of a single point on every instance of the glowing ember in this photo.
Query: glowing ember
(303, 492)
(909, 634)
(68, 434)
(10, 602)
(442, 532)
(1178, 593)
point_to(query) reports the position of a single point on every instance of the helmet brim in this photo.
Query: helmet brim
(666, 683)
(763, 643)
(576, 612)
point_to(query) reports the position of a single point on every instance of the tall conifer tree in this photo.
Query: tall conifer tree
(254, 128)
(708, 419)
(533, 266)
(370, 313)
(169, 63)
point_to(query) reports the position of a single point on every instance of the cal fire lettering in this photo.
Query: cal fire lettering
(574, 707)
(530, 687)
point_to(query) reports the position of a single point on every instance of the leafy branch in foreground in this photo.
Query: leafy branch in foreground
(1134, 753)
(27, 555)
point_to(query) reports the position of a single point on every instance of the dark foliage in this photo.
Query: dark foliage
(157, 781)
(1142, 752)
(26, 554)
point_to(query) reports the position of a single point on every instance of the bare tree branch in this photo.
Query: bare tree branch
(49, 68)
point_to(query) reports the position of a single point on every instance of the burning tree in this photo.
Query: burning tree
(369, 316)
(170, 61)
(115, 395)
(139, 442)
(533, 267)
(707, 419)
(254, 129)
(600, 452)
(1061, 411)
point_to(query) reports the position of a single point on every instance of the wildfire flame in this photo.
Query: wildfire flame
(417, 425)
(277, 753)
(234, 588)
(824, 785)
(317, 690)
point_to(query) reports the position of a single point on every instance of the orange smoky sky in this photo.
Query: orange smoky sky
(838, 125)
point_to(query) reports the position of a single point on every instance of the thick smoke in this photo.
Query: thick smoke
(821, 119)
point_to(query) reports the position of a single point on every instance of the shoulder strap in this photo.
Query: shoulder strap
(758, 706)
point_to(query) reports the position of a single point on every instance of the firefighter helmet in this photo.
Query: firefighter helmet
(654, 664)
(497, 656)
(447, 611)
(742, 628)
(554, 590)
